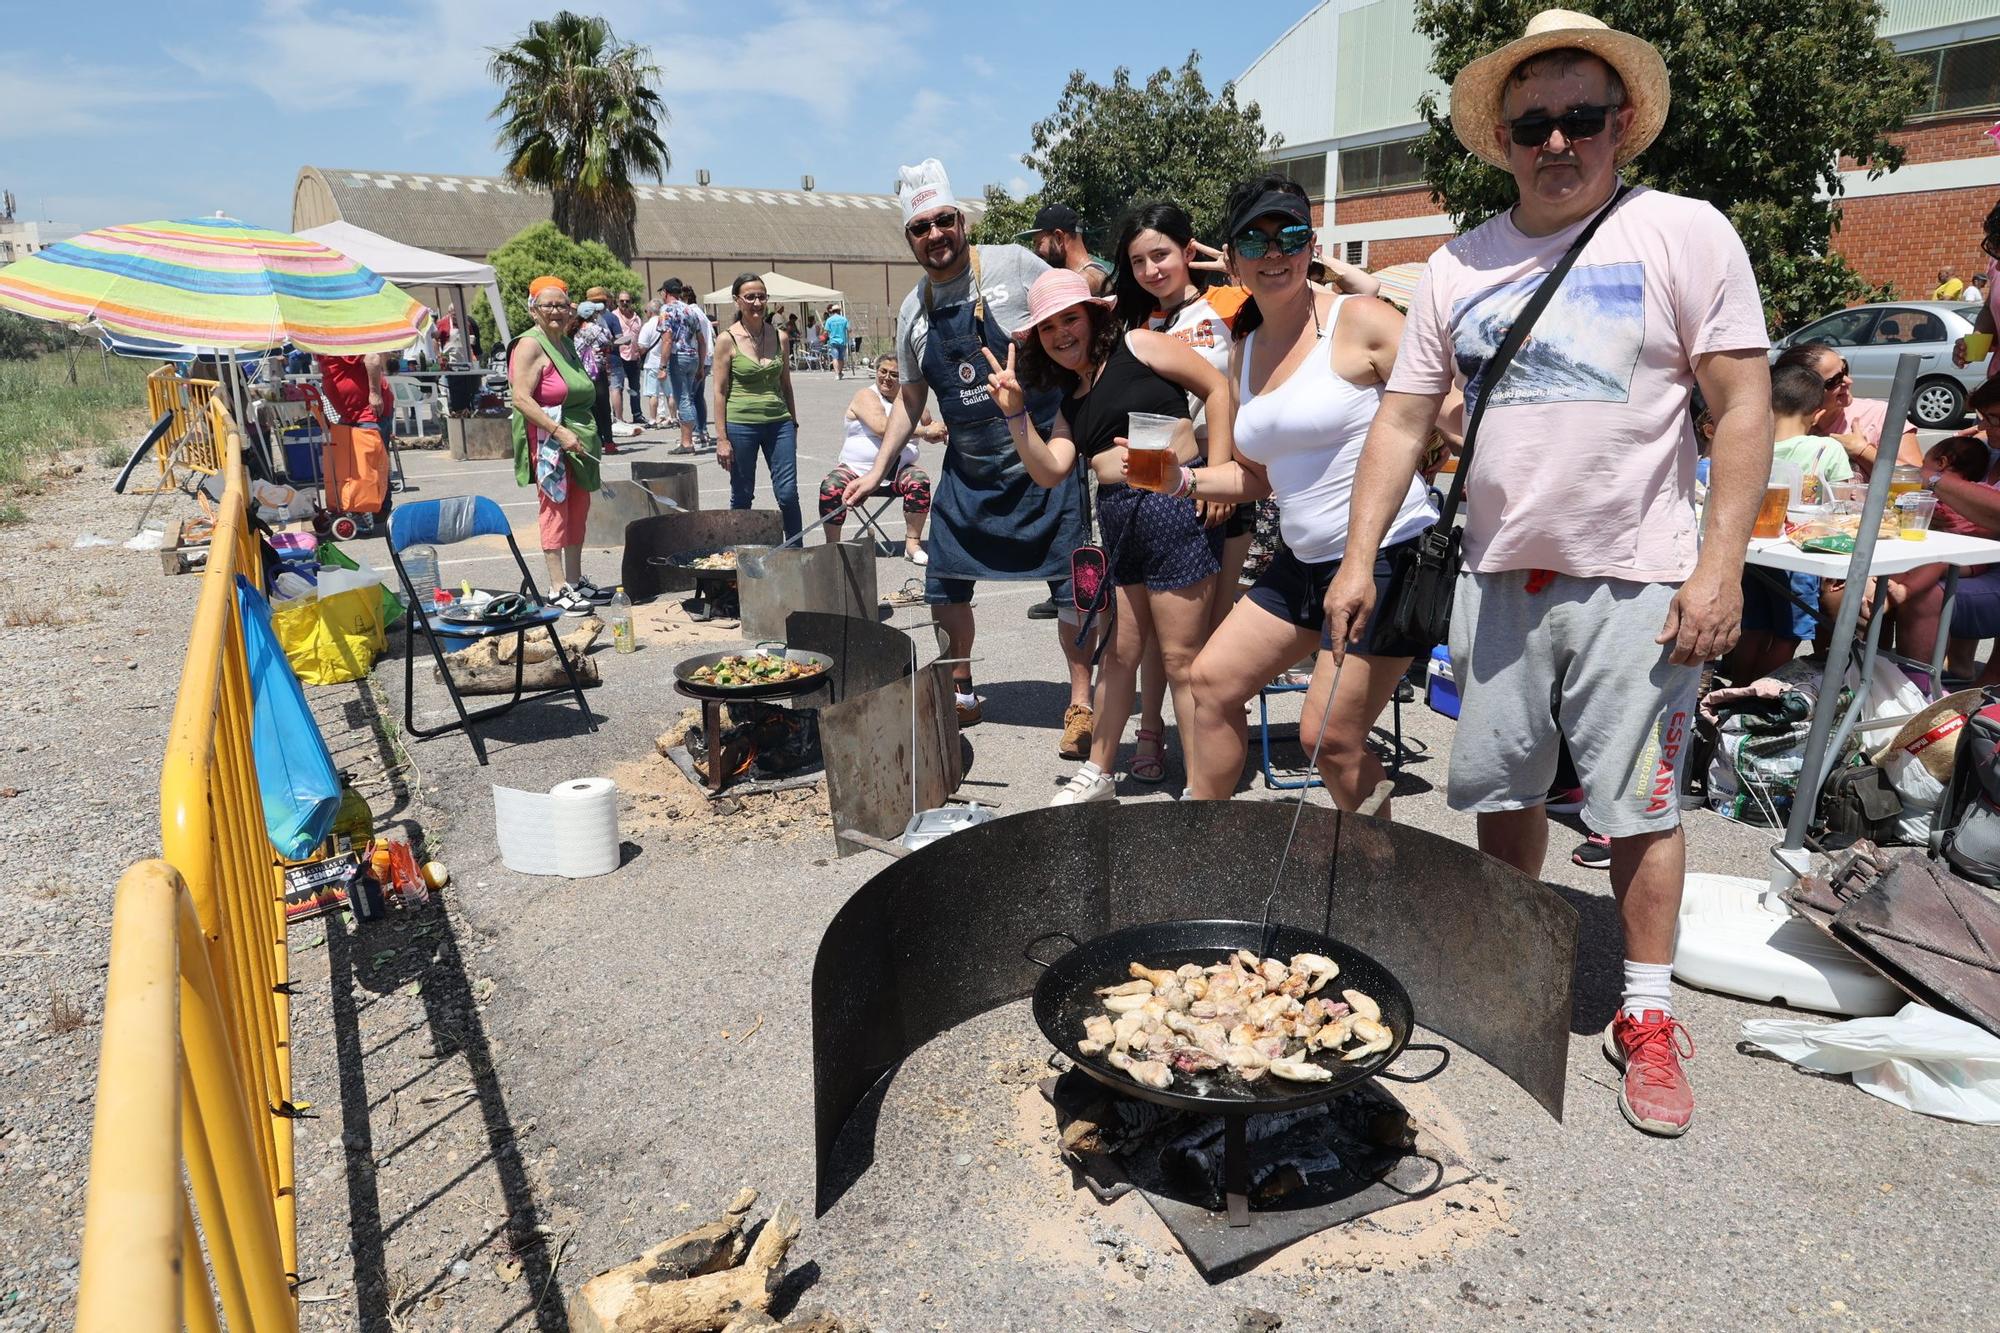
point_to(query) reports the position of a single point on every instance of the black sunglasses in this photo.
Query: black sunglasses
(1579, 122)
(941, 221)
(1833, 381)
(1289, 240)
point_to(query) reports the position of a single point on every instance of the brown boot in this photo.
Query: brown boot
(1077, 722)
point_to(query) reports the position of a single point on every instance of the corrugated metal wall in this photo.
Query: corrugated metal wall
(1383, 66)
(1906, 16)
(1293, 81)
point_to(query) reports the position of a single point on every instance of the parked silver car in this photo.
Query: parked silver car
(1871, 337)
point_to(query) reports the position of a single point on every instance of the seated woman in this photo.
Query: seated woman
(867, 417)
(1856, 422)
(1962, 473)
(1310, 367)
(1162, 560)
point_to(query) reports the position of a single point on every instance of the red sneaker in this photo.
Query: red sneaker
(1657, 1097)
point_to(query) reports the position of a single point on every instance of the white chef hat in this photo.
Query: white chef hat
(923, 188)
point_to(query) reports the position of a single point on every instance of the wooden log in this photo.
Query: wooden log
(629, 1299)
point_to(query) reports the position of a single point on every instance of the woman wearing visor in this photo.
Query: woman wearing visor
(1308, 368)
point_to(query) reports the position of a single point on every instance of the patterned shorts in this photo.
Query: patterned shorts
(1155, 540)
(910, 483)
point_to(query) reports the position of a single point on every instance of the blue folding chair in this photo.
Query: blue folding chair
(441, 523)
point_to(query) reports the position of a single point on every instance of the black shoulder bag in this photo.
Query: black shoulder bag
(1416, 610)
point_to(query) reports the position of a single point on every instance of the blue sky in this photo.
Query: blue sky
(124, 111)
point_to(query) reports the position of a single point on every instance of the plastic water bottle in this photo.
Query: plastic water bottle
(624, 633)
(421, 564)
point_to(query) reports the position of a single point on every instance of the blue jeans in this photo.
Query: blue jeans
(684, 375)
(778, 441)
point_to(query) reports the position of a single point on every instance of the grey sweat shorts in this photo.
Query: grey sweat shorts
(1578, 655)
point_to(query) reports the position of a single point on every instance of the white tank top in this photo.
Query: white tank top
(1307, 435)
(862, 445)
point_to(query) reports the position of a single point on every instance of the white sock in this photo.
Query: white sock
(965, 698)
(1648, 986)
(1089, 771)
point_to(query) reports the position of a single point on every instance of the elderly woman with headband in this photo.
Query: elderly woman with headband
(555, 439)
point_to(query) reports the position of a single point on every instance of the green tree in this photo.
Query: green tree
(1005, 217)
(1108, 147)
(542, 249)
(580, 119)
(1768, 96)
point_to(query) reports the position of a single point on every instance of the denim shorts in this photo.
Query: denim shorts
(942, 591)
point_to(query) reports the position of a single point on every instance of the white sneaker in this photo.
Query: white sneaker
(916, 555)
(570, 601)
(1088, 785)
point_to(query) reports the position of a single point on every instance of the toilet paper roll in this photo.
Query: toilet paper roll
(571, 830)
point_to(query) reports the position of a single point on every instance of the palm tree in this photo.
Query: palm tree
(580, 119)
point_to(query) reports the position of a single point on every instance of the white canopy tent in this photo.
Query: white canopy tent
(407, 266)
(781, 289)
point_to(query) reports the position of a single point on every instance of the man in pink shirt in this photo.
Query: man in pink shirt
(1586, 575)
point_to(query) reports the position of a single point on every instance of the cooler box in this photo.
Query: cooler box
(302, 445)
(1440, 689)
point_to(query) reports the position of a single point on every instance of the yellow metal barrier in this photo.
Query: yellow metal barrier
(198, 964)
(190, 442)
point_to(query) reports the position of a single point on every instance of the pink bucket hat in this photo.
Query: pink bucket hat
(1053, 292)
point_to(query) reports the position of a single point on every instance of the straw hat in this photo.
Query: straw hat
(1476, 92)
(1939, 754)
(1053, 292)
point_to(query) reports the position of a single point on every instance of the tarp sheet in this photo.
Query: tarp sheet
(294, 769)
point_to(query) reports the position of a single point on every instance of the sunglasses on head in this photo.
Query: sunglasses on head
(1287, 240)
(940, 221)
(1579, 122)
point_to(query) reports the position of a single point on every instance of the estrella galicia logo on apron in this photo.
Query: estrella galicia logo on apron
(966, 373)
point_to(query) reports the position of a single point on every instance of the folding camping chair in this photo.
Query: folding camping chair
(441, 523)
(1274, 777)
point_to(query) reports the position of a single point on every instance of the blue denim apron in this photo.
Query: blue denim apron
(989, 520)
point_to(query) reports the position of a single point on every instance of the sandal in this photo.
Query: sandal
(1148, 767)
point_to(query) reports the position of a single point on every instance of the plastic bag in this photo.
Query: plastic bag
(332, 637)
(294, 771)
(1917, 1058)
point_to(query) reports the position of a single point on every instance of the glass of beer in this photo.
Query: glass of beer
(1149, 452)
(1771, 514)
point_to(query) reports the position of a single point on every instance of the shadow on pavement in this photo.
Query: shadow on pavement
(367, 962)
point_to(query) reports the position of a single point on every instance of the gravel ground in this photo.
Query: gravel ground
(538, 1079)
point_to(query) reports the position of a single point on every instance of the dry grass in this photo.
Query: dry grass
(106, 590)
(65, 1014)
(19, 616)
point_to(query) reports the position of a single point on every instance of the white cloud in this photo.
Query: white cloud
(72, 100)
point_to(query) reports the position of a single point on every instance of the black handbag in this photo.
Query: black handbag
(1415, 616)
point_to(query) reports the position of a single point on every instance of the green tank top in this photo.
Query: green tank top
(754, 396)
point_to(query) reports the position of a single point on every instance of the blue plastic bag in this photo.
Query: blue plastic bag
(294, 769)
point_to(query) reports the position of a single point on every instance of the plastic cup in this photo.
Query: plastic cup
(1913, 516)
(1977, 346)
(1771, 514)
(1149, 444)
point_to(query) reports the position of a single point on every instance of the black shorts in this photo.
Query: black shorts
(1241, 522)
(1295, 591)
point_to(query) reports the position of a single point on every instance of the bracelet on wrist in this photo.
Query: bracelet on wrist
(1185, 487)
(1014, 416)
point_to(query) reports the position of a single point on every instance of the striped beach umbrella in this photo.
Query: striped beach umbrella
(214, 282)
(1399, 284)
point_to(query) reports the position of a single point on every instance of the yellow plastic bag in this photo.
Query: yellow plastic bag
(331, 639)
